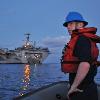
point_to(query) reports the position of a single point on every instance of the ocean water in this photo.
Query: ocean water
(17, 79)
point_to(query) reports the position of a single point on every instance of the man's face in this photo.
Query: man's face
(74, 25)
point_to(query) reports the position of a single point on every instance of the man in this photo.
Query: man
(79, 57)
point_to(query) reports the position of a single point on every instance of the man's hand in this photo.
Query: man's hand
(72, 90)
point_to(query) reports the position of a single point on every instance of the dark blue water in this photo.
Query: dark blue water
(17, 79)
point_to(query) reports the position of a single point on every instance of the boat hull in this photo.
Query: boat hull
(55, 91)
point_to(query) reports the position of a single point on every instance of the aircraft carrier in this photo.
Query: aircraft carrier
(27, 53)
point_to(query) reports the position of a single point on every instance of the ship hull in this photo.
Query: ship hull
(24, 56)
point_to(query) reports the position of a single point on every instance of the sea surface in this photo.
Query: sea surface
(17, 79)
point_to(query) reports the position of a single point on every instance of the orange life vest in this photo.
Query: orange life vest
(69, 63)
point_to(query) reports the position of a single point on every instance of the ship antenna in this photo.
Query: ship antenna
(28, 34)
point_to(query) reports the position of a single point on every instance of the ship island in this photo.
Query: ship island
(27, 53)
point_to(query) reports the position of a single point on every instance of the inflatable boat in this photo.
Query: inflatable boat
(54, 91)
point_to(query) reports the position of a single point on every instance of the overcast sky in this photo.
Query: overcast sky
(43, 19)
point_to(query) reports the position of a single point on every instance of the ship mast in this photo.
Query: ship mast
(27, 38)
(27, 41)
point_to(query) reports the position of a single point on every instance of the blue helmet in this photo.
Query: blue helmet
(76, 17)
